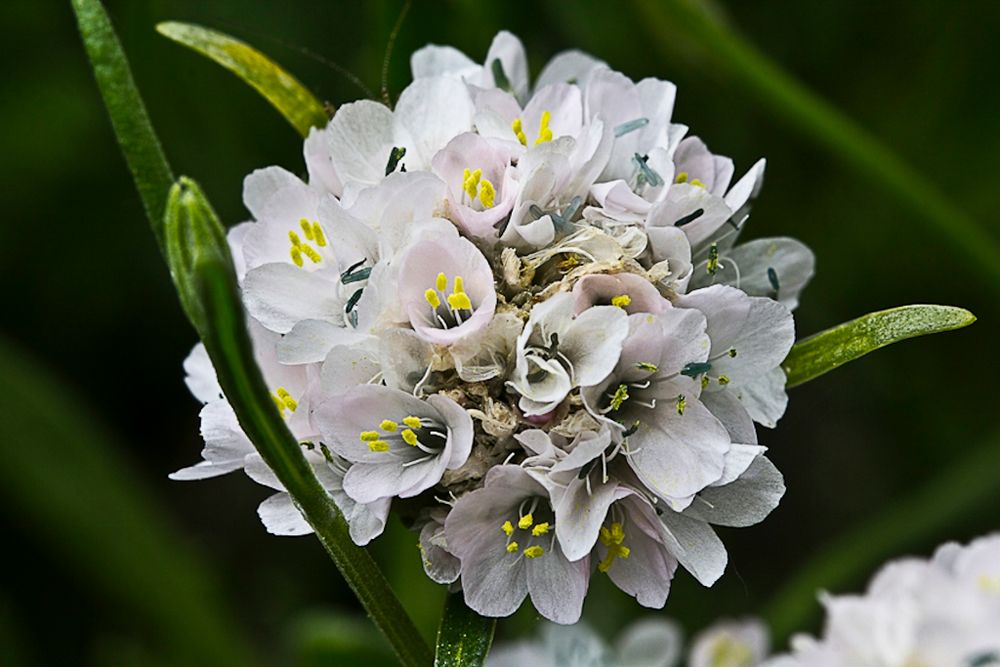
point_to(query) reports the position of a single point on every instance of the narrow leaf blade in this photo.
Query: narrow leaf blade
(846, 342)
(464, 637)
(135, 133)
(281, 89)
(206, 282)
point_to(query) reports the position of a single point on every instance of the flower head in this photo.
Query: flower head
(521, 307)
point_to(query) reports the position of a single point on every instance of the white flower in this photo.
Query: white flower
(523, 310)
(942, 611)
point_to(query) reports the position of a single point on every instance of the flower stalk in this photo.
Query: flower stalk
(202, 271)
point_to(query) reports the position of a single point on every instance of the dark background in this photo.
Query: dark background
(86, 294)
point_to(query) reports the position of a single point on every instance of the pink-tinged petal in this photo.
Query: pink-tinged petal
(419, 269)
(600, 289)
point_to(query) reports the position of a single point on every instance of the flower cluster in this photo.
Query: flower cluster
(937, 612)
(520, 316)
(645, 643)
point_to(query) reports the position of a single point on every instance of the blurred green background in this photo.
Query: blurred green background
(93, 337)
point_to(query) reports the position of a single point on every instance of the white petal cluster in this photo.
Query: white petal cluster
(520, 315)
(940, 612)
(651, 642)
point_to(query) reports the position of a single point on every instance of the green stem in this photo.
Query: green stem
(464, 637)
(968, 487)
(243, 384)
(677, 24)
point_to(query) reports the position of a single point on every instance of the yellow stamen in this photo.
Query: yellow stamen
(613, 539)
(459, 285)
(540, 529)
(518, 128)
(512, 547)
(369, 436)
(524, 523)
(441, 283)
(681, 404)
(621, 301)
(697, 183)
(723, 380)
(296, 256)
(411, 421)
(544, 133)
(307, 229)
(534, 552)
(388, 425)
(704, 381)
(621, 395)
(470, 182)
(648, 366)
(487, 193)
(378, 446)
(409, 437)
(432, 298)
(294, 238)
(311, 254)
(682, 177)
(728, 651)
(507, 528)
(459, 301)
(318, 233)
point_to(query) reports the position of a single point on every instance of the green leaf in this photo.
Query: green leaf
(64, 477)
(128, 114)
(822, 352)
(966, 489)
(208, 287)
(281, 89)
(693, 29)
(464, 637)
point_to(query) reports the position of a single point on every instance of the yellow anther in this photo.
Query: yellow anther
(534, 552)
(697, 183)
(412, 422)
(728, 651)
(518, 128)
(613, 539)
(286, 399)
(409, 437)
(459, 285)
(723, 380)
(540, 529)
(388, 425)
(989, 584)
(647, 366)
(571, 262)
(621, 395)
(704, 381)
(524, 523)
(441, 283)
(681, 404)
(369, 436)
(278, 403)
(306, 228)
(621, 301)
(459, 301)
(318, 235)
(512, 548)
(487, 193)
(470, 182)
(432, 298)
(296, 254)
(507, 528)
(378, 446)
(681, 177)
(544, 133)
(311, 254)
(294, 238)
